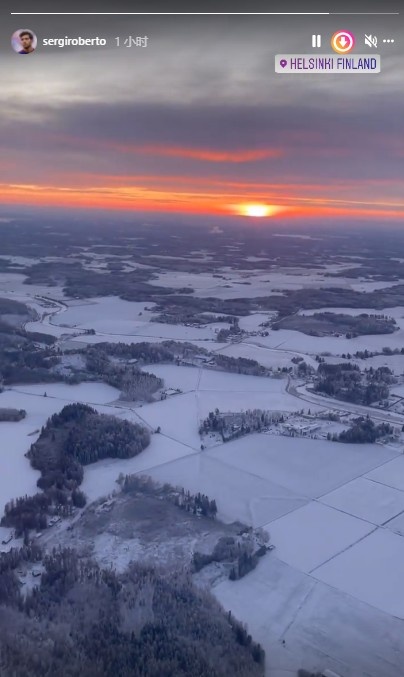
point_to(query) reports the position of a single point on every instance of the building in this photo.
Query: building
(301, 428)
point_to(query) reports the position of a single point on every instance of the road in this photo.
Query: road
(302, 393)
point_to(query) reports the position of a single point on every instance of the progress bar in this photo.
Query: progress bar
(171, 13)
(204, 13)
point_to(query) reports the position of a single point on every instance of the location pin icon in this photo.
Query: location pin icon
(283, 63)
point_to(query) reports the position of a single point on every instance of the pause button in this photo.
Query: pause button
(316, 40)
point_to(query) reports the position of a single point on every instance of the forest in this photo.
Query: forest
(74, 437)
(242, 555)
(329, 323)
(240, 365)
(231, 425)
(345, 381)
(8, 414)
(21, 361)
(87, 621)
(147, 353)
(197, 504)
(133, 383)
(363, 430)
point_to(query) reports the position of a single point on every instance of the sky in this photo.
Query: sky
(198, 122)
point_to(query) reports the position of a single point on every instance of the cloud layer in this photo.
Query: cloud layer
(199, 122)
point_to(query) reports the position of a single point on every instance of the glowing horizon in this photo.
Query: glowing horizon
(203, 135)
(132, 198)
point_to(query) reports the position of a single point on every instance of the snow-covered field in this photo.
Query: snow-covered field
(13, 284)
(106, 314)
(268, 357)
(179, 416)
(322, 627)
(100, 478)
(370, 571)
(333, 588)
(310, 468)
(398, 390)
(391, 474)
(184, 378)
(261, 477)
(393, 362)
(239, 495)
(314, 534)
(232, 284)
(369, 500)
(289, 339)
(17, 478)
(213, 380)
(253, 322)
(111, 316)
(89, 393)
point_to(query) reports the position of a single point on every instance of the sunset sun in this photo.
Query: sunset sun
(258, 210)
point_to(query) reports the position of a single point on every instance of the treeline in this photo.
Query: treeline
(105, 436)
(133, 383)
(23, 362)
(224, 334)
(28, 512)
(197, 504)
(74, 437)
(358, 325)
(346, 382)
(386, 350)
(240, 365)
(363, 430)
(9, 561)
(83, 620)
(12, 415)
(227, 549)
(245, 563)
(329, 323)
(231, 425)
(148, 353)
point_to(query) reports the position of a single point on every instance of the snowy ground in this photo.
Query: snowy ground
(13, 284)
(371, 501)
(310, 468)
(100, 478)
(87, 339)
(288, 339)
(17, 478)
(268, 357)
(106, 314)
(314, 534)
(396, 311)
(321, 626)
(369, 571)
(332, 588)
(179, 416)
(232, 284)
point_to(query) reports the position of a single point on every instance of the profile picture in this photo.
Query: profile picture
(24, 41)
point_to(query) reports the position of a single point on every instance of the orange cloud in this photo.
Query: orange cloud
(238, 155)
(208, 155)
(138, 198)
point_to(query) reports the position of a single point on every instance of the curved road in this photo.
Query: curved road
(302, 393)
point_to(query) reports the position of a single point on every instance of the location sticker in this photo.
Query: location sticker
(283, 63)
